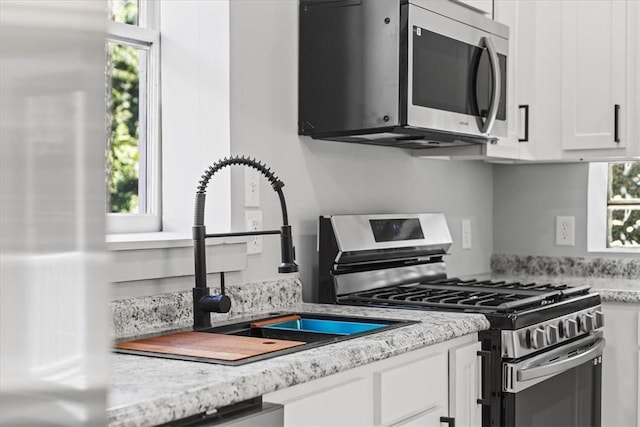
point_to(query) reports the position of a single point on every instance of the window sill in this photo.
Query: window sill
(627, 250)
(161, 240)
(153, 256)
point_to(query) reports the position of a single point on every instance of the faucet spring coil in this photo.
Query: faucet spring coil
(239, 160)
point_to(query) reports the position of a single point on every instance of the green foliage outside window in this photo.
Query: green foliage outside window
(123, 103)
(624, 204)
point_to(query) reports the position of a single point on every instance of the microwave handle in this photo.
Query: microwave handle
(495, 81)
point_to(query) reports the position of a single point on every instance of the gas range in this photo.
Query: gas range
(540, 314)
(540, 333)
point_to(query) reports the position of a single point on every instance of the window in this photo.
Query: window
(133, 71)
(623, 204)
(614, 207)
(195, 127)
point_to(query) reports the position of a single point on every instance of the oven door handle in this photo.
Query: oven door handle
(563, 364)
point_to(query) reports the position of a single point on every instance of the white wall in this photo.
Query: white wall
(327, 177)
(527, 198)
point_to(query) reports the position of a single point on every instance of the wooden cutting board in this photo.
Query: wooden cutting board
(207, 345)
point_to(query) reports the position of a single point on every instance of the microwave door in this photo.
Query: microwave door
(451, 74)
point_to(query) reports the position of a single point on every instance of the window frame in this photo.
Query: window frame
(597, 212)
(146, 35)
(195, 48)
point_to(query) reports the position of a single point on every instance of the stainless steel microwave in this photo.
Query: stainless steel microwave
(406, 73)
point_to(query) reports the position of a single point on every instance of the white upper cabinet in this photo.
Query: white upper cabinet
(574, 78)
(483, 6)
(509, 147)
(594, 74)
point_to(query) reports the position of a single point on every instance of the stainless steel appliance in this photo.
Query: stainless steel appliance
(405, 73)
(542, 356)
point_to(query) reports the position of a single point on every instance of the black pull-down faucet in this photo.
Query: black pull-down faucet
(203, 302)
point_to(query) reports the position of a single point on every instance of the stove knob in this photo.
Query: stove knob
(537, 338)
(552, 334)
(580, 320)
(598, 319)
(588, 322)
(570, 328)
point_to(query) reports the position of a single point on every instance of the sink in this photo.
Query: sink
(258, 338)
(326, 326)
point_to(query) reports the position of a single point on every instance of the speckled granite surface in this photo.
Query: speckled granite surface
(616, 280)
(620, 268)
(147, 391)
(136, 316)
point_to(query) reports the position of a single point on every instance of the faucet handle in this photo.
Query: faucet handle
(215, 304)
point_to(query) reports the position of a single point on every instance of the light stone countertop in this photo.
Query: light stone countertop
(148, 391)
(615, 279)
(610, 289)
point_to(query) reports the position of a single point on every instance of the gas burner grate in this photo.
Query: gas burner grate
(471, 295)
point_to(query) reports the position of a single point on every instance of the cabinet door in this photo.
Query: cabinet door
(620, 368)
(506, 12)
(482, 6)
(348, 403)
(430, 418)
(464, 385)
(593, 74)
(408, 389)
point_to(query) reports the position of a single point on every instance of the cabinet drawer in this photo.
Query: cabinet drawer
(430, 418)
(406, 390)
(347, 403)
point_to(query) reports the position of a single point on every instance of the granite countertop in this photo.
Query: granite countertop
(148, 391)
(616, 280)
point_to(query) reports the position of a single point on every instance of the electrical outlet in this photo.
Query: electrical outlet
(251, 188)
(565, 230)
(253, 220)
(466, 234)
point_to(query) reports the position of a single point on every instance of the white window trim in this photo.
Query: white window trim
(195, 132)
(597, 211)
(147, 34)
(195, 122)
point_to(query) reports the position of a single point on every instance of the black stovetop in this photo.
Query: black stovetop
(508, 305)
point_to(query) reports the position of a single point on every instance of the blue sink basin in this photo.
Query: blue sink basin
(336, 327)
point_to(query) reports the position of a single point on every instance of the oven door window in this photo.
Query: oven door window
(571, 398)
(454, 76)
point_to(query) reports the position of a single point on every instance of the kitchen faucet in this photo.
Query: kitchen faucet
(203, 302)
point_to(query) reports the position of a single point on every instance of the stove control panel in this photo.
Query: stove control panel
(551, 332)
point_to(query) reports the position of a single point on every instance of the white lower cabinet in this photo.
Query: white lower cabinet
(430, 418)
(413, 389)
(347, 402)
(621, 365)
(465, 385)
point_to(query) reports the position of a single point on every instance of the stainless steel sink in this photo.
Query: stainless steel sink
(309, 329)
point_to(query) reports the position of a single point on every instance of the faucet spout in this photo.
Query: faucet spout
(203, 302)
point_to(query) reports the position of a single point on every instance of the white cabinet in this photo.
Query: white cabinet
(620, 365)
(482, 6)
(575, 70)
(412, 389)
(336, 401)
(465, 385)
(594, 68)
